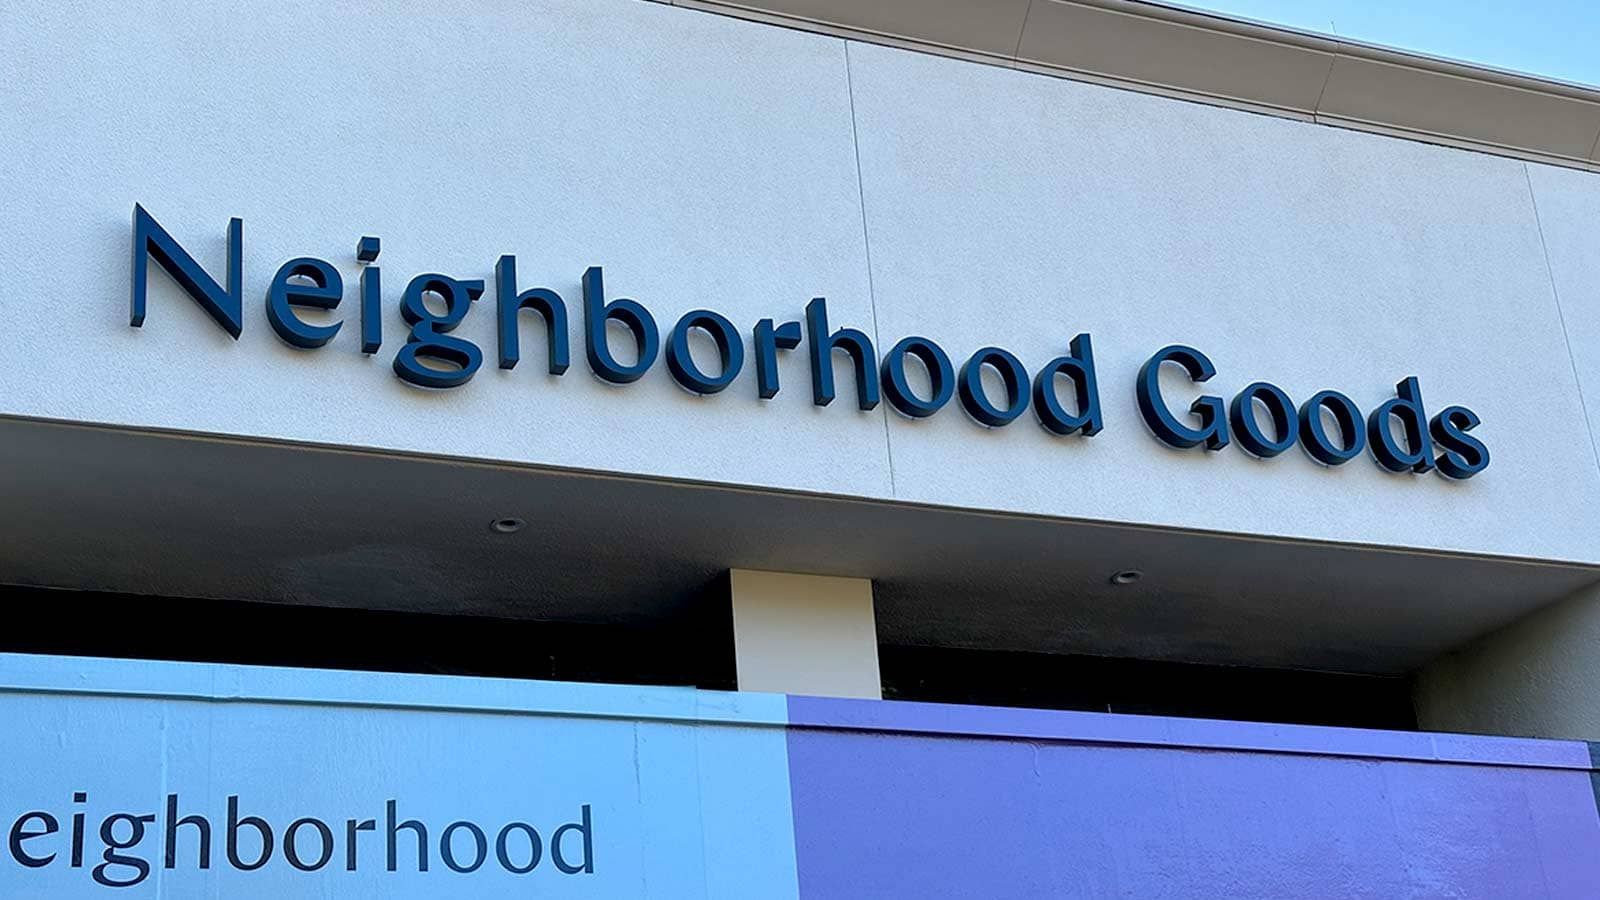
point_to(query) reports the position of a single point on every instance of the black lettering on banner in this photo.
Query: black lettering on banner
(35, 840)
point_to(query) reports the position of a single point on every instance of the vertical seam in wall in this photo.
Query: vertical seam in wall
(1594, 149)
(1327, 78)
(1555, 295)
(166, 781)
(1017, 50)
(1594, 773)
(866, 246)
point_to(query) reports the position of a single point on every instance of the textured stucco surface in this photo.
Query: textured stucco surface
(920, 195)
(621, 134)
(1012, 209)
(1535, 678)
(1540, 676)
(1569, 224)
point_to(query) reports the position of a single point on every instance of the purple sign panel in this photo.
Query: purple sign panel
(910, 800)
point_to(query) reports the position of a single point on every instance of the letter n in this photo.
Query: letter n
(151, 241)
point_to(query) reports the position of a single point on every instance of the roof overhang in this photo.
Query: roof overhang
(164, 514)
(1212, 58)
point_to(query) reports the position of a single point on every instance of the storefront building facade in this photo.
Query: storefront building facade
(1185, 423)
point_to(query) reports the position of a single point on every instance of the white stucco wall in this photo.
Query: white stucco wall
(1535, 678)
(708, 162)
(1007, 207)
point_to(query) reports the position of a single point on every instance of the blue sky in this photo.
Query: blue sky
(1554, 38)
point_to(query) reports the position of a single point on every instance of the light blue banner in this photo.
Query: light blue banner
(625, 792)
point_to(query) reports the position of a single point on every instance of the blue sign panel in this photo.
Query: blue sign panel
(385, 786)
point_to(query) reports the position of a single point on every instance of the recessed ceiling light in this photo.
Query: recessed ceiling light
(1126, 576)
(507, 525)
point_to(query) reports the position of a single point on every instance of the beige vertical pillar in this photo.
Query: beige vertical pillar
(805, 634)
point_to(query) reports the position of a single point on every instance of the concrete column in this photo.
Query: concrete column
(805, 634)
(1538, 677)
